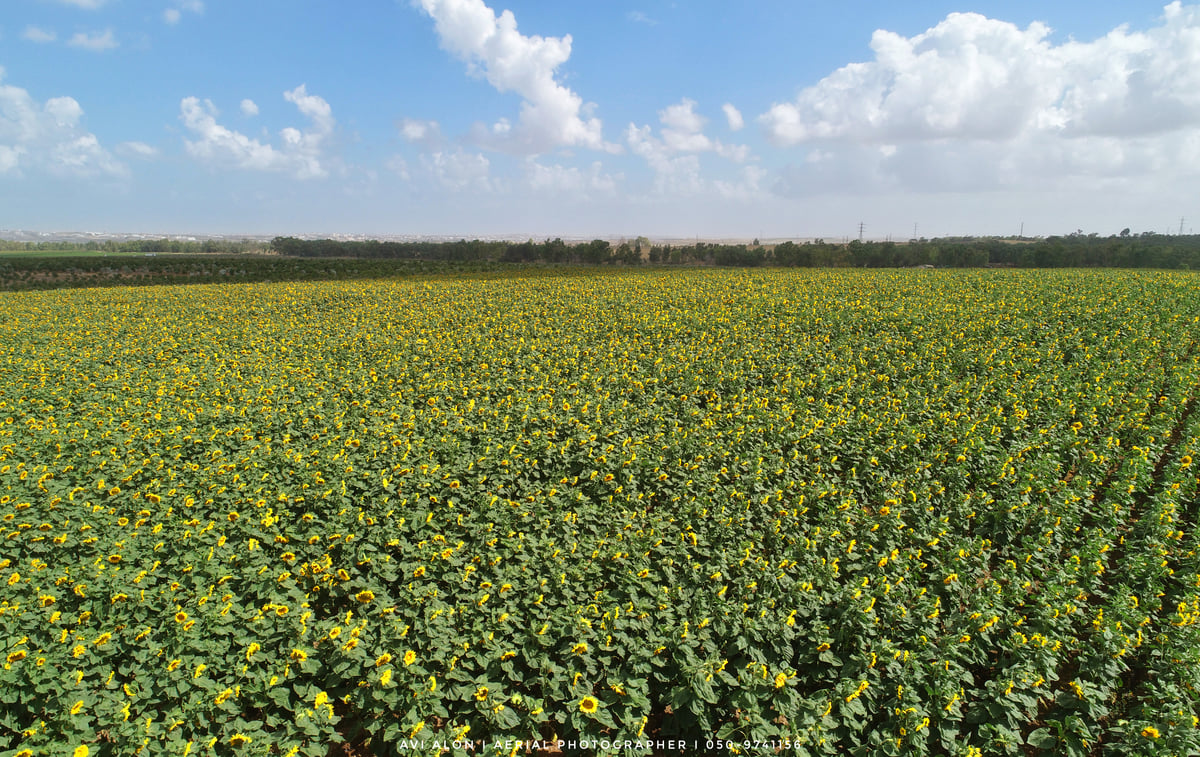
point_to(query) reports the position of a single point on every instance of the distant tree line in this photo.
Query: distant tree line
(1076, 250)
(134, 246)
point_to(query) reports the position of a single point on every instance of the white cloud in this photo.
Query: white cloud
(673, 155)
(679, 176)
(551, 115)
(312, 106)
(218, 143)
(683, 128)
(300, 154)
(399, 166)
(96, 42)
(683, 131)
(249, 108)
(975, 103)
(10, 158)
(137, 150)
(559, 180)
(65, 111)
(86, 4)
(459, 170)
(39, 35)
(49, 137)
(967, 77)
(174, 14)
(638, 17)
(748, 186)
(427, 133)
(734, 117)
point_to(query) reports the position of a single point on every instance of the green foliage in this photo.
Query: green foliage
(902, 512)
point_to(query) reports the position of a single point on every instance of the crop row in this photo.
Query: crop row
(868, 513)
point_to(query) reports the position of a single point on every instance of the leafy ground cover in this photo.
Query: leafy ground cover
(890, 512)
(53, 270)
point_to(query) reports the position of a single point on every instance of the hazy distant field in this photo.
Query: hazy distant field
(844, 512)
(65, 254)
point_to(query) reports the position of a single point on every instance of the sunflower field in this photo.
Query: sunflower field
(804, 512)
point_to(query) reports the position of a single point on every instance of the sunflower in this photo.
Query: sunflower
(588, 705)
(365, 596)
(410, 657)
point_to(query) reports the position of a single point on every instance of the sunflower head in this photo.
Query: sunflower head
(589, 705)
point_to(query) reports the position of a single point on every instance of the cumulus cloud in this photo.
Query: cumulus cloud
(49, 137)
(426, 133)
(312, 106)
(968, 77)
(974, 102)
(459, 170)
(559, 180)
(96, 42)
(301, 152)
(551, 115)
(39, 35)
(673, 154)
(678, 175)
(249, 108)
(733, 117)
(682, 128)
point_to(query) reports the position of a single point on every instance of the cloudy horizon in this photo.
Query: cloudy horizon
(466, 117)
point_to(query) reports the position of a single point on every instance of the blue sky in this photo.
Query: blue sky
(705, 118)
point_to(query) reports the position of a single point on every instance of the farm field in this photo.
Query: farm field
(840, 512)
